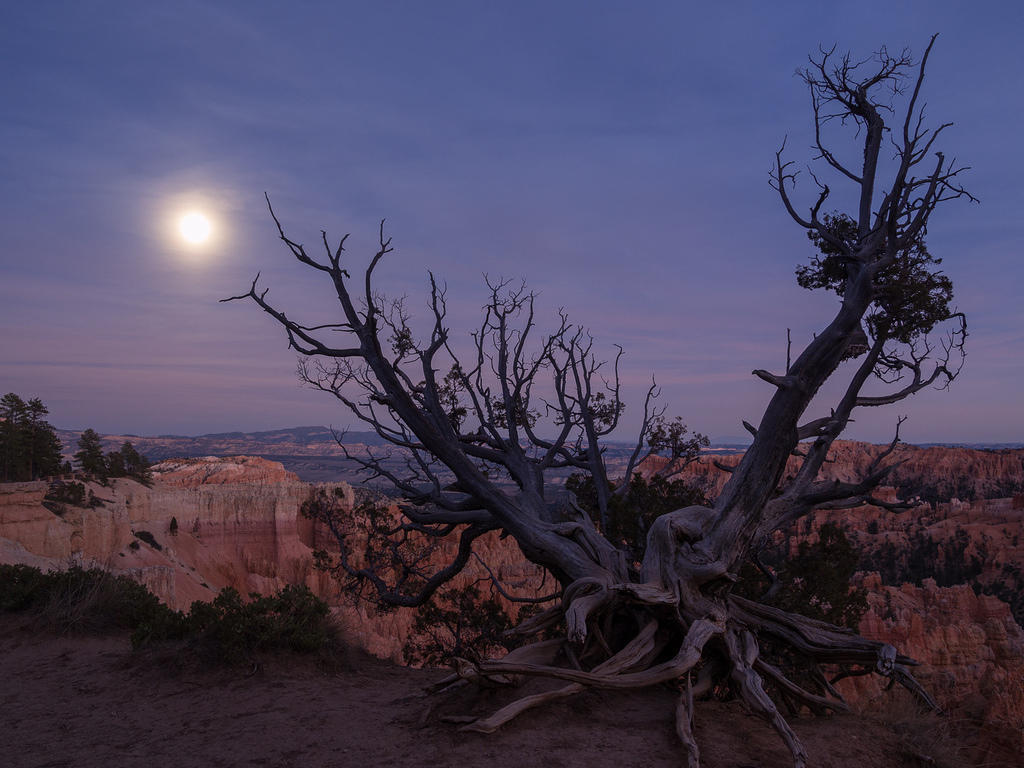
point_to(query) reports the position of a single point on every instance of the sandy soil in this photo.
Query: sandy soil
(84, 702)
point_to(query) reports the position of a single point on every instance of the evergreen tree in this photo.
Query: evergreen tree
(461, 624)
(115, 464)
(817, 579)
(90, 456)
(12, 448)
(42, 440)
(630, 516)
(29, 447)
(136, 465)
(128, 462)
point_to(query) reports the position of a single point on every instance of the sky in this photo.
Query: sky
(614, 155)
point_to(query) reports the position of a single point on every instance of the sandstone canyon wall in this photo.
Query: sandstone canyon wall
(238, 525)
(934, 474)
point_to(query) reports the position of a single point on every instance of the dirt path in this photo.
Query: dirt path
(88, 702)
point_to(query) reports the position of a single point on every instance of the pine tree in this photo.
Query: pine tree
(29, 447)
(12, 449)
(115, 464)
(136, 465)
(90, 456)
(128, 462)
(43, 443)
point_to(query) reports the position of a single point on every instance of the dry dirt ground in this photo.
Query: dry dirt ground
(87, 701)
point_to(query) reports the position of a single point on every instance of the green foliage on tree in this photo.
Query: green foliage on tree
(949, 561)
(124, 462)
(114, 462)
(29, 447)
(133, 464)
(61, 494)
(913, 295)
(371, 538)
(630, 515)
(816, 580)
(458, 623)
(89, 456)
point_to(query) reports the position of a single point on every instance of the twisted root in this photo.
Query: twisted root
(722, 646)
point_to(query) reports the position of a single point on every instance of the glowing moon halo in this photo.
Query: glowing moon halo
(194, 227)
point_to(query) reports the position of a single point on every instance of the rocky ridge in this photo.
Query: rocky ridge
(935, 474)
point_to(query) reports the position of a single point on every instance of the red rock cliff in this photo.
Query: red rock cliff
(933, 473)
(238, 524)
(970, 649)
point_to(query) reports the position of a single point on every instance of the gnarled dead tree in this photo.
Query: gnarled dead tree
(518, 406)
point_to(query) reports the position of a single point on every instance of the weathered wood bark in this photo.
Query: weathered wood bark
(671, 617)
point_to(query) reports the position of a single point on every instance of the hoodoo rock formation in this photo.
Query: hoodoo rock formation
(970, 648)
(934, 474)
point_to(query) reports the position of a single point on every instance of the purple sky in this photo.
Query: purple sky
(614, 154)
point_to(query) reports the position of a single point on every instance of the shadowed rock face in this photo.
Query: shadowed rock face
(239, 525)
(970, 648)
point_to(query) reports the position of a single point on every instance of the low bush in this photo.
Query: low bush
(815, 582)
(67, 493)
(78, 599)
(458, 623)
(228, 630)
(60, 495)
(232, 630)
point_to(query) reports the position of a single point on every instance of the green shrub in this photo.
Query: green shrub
(457, 623)
(20, 587)
(67, 493)
(815, 582)
(79, 600)
(232, 630)
(227, 630)
(61, 494)
(630, 516)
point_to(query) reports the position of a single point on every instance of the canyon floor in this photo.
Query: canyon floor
(91, 701)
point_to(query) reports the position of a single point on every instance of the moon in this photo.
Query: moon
(195, 227)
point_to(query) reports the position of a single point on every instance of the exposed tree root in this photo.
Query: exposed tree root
(697, 655)
(689, 654)
(743, 653)
(627, 658)
(684, 726)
